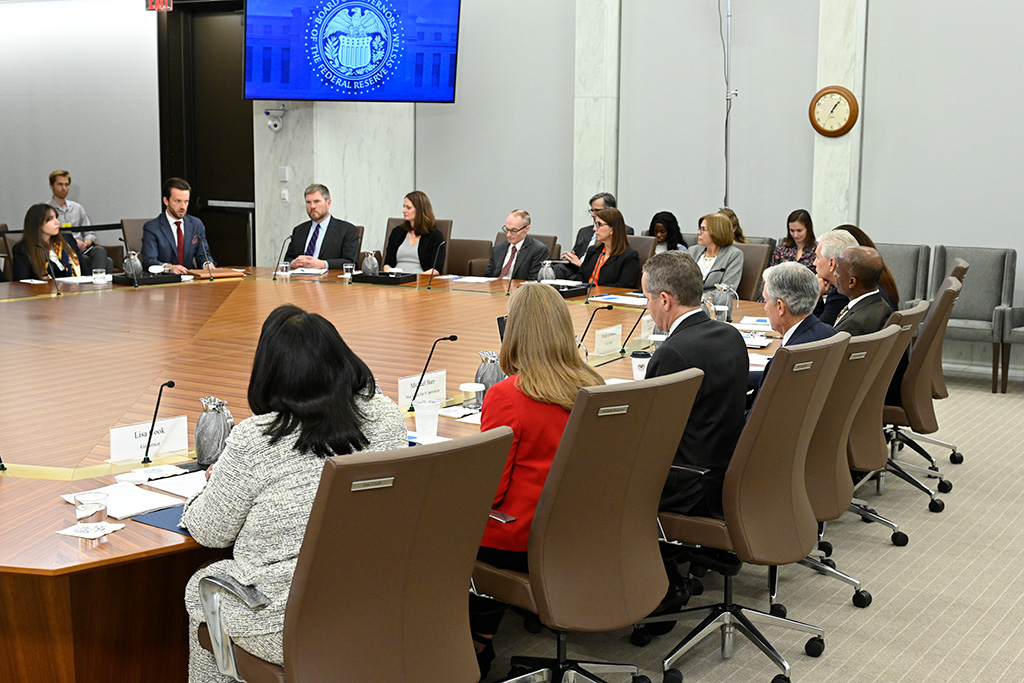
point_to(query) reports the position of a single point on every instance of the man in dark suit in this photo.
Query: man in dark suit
(829, 246)
(858, 270)
(323, 241)
(520, 257)
(585, 236)
(673, 286)
(174, 239)
(790, 290)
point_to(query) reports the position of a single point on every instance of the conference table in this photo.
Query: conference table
(76, 365)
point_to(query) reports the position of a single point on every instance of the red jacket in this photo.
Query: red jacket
(537, 428)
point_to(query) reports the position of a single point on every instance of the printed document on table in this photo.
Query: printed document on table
(186, 485)
(128, 500)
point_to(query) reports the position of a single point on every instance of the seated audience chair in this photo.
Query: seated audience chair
(770, 241)
(593, 549)
(957, 269)
(908, 264)
(465, 254)
(132, 228)
(755, 260)
(478, 265)
(1013, 333)
(379, 592)
(645, 248)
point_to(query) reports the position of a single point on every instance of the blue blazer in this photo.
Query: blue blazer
(809, 330)
(160, 244)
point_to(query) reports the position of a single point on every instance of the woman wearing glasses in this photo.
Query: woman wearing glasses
(611, 262)
(719, 261)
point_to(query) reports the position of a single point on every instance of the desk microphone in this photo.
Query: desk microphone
(593, 313)
(127, 255)
(281, 255)
(716, 270)
(209, 261)
(423, 374)
(508, 290)
(170, 384)
(3, 467)
(53, 274)
(642, 314)
(433, 269)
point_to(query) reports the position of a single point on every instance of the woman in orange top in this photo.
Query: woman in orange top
(545, 373)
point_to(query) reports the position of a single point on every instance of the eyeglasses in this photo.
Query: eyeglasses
(599, 223)
(702, 229)
(509, 231)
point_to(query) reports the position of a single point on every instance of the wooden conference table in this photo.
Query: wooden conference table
(76, 365)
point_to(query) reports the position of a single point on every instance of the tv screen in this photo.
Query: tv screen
(351, 50)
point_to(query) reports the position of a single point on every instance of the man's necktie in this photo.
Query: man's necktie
(842, 313)
(508, 266)
(181, 243)
(311, 247)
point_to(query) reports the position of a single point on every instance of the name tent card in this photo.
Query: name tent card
(129, 443)
(609, 341)
(433, 387)
(646, 327)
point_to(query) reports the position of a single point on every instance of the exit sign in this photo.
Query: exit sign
(159, 5)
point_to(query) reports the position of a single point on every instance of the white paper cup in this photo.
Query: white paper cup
(99, 276)
(640, 359)
(426, 417)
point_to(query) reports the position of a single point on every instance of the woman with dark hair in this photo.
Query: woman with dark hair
(311, 398)
(719, 261)
(886, 283)
(611, 262)
(413, 246)
(58, 257)
(665, 227)
(799, 242)
(545, 372)
(737, 231)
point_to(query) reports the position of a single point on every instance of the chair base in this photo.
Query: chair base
(561, 669)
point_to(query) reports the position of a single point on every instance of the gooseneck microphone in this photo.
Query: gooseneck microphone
(281, 255)
(716, 270)
(508, 290)
(53, 273)
(170, 385)
(206, 253)
(433, 268)
(642, 314)
(127, 255)
(3, 467)
(423, 374)
(592, 314)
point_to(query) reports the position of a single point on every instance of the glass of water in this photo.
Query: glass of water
(99, 276)
(90, 510)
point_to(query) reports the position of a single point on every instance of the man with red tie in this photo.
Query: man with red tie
(520, 256)
(174, 239)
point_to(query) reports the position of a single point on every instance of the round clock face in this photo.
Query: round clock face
(833, 111)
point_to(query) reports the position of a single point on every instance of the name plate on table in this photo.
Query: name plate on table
(609, 341)
(646, 327)
(433, 387)
(129, 443)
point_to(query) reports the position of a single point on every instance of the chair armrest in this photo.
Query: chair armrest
(502, 517)
(210, 589)
(1013, 317)
(690, 468)
(477, 266)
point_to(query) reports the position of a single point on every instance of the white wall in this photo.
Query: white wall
(78, 90)
(672, 115)
(506, 143)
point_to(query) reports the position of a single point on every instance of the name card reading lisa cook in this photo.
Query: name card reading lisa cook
(129, 443)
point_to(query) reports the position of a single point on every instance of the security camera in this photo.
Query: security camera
(275, 118)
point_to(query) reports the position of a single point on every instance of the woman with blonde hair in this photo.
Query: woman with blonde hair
(545, 372)
(719, 261)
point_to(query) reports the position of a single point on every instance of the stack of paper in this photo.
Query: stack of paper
(128, 500)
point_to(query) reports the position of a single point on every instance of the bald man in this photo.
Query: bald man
(858, 270)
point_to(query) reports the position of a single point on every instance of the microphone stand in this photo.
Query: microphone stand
(206, 252)
(508, 290)
(416, 393)
(642, 314)
(3, 467)
(53, 273)
(127, 255)
(170, 384)
(281, 255)
(433, 268)
(593, 313)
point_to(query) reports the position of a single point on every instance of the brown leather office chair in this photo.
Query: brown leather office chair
(464, 254)
(768, 516)
(360, 229)
(827, 472)
(7, 242)
(867, 452)
(755, 260)
(593, 549)
(444, 225)
(132, 228)
(957, 269)
(916, 410)
(645, 248)
(379, 591)
(478, 265)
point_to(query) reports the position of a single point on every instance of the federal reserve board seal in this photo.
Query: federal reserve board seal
(354, 44)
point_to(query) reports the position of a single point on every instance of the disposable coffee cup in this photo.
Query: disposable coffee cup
(426, 417)
(640, 359)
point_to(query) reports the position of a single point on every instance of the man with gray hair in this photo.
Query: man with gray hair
(520, 256)
(829, 246)
(673, 286)
(324, 241)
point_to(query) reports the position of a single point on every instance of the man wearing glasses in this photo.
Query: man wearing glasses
(520, 257)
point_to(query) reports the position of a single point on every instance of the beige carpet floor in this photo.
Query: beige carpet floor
(947, 607)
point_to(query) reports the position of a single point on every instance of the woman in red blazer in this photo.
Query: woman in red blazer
(545, 373)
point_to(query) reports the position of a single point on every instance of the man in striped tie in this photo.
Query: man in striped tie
(520, 256)
(324, 241)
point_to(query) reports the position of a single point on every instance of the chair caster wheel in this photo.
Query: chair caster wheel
(672, 676)
(532, 623)
(945, 486)
(779, 678)
(517, 671)
(868, 520)
(640, 679)
(861, 599)
(825, 547)
(956, 457)
(899, 538)
(936, 505)
(696, 587)
(829, 562)
(815, 646)
(659, 628)
(777, 610)
(640, 636)
(699, 571)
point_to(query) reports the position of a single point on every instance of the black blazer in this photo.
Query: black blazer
(427, 248)
(827, 308)
(583, 237)
(620, 270)
(867, 317)
(339, 244)
(21, 266)
(528, 259)
(717, 417)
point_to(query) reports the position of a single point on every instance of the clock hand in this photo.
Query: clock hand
(831, 111)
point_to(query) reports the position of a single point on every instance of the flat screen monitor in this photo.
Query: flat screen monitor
(351, 50)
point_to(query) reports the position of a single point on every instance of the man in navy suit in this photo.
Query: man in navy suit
(520, 256)
(790, 293)
(174, 239)
(323, 241)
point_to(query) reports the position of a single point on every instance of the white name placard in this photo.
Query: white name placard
(129, 443)
(609, 341)
(646, 327)
(433, 387)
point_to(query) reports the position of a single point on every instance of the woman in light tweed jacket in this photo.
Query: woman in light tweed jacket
(311, 397)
